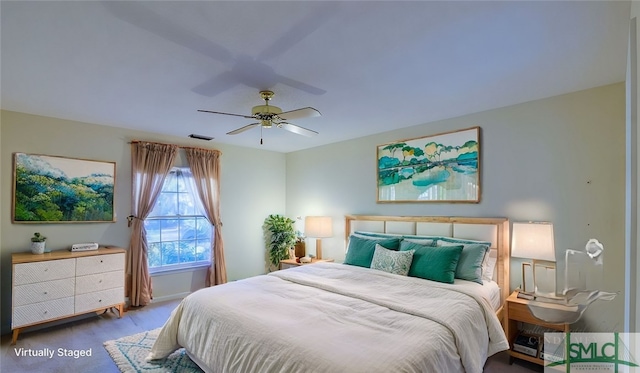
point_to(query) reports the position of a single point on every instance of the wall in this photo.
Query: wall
(249, 194)
(559, 159)
(632, 260)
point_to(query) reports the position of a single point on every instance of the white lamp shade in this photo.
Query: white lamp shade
(533, 241)
(318, 226)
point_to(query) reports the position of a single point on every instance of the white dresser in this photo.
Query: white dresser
(62, 284)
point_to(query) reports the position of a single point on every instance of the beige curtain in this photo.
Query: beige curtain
(150, 164)
(205, 167)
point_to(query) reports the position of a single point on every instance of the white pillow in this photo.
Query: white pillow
(489, 265)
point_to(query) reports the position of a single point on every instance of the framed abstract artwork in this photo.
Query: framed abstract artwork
(52, 189)
(437, 168)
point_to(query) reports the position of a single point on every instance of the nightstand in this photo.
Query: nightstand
(289, 263)
(517, 310)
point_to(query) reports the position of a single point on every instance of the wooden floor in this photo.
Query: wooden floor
(91, 332)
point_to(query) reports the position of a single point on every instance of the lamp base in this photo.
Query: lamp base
(318, 248)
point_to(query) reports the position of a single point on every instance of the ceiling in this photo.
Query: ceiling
(367, 66)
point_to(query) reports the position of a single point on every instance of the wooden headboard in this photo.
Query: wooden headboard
(494, 230)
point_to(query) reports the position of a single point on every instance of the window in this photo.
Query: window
(178, 234)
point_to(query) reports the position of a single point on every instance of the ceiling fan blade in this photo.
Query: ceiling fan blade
(219, 112)
(307, 112)
(242, 129)
(141, 16)
(216, 85)
(300, 30)
(297, 129)
(299, 85)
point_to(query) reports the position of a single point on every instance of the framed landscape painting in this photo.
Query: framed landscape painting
(438, 168)
(51, 189)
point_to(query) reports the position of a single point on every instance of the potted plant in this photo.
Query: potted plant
(280, 237)
(38, 242)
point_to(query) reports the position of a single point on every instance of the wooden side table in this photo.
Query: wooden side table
(517, 310)
(289, 263)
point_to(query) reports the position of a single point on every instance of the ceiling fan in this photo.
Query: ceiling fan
(269, 116)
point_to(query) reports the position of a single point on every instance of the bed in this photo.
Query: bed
(331, 317)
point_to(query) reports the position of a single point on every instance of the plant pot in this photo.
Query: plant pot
(38, 247)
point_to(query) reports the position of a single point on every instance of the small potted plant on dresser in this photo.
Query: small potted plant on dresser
(38, 242)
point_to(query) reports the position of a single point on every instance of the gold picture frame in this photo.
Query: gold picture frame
(55, 189)
(438, 168)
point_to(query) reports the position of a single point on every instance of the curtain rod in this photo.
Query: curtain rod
(180, 147)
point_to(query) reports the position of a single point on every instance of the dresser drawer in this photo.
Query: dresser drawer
(100, 299)
(43, 311)
(28, 273)
(99, 264)
(99, 281)
(42, 291)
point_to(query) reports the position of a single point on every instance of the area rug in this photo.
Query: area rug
(129, 354)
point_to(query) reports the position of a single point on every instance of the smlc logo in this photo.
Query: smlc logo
(592, 352)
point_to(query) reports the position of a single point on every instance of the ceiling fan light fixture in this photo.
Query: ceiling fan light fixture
(266, 116)
(266, 109)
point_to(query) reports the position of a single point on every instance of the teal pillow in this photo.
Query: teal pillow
(392, 261)
(360, 250)
(459, 241)
(421, 240)
(376, 235)
(470, 262)
(433, 262)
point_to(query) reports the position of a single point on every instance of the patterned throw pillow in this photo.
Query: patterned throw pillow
(391, 261)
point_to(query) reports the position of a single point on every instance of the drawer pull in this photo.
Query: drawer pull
(99, 300)
(100, 260)
(46, 293)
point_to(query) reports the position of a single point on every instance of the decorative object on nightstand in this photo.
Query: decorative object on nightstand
(534, 241)
(300, 247)
(318, 227)
(305, 259)
(585, 270)
(38, 243)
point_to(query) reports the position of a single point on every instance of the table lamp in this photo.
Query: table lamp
(533, 241)
(318, 227)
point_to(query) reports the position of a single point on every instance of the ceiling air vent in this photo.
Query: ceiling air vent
(201, 137)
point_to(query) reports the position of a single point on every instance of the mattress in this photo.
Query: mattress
(489, 290)
(331, 317)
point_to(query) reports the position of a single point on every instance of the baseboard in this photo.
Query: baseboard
(169, 297)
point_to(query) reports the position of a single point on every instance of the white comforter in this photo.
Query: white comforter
(331, 317)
